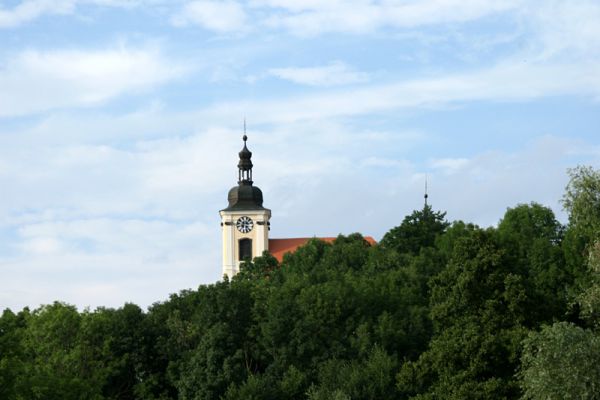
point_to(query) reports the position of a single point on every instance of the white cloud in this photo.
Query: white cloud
(449, 165)
(384, 162)
(510, 81)
(333, 74)
(219, 16)
(122, 3)
(29, 10)
(107, 261)
(565, 30)
(363, 16)
(35, 80)
(163, 178)
(491, 181)
(313, 17)
(41, 245)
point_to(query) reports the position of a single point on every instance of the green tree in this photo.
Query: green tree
(369, 378)
(335, 311)
(261, 266)
(532, 237)
(223, 353)
(12, 352)
(562, 361)
(418, 230)
(477, 308)
(54, 368)
(589, 299)
(255, 387)
(112, 345)
(582, 201)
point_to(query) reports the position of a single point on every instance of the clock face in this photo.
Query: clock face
(244, 224)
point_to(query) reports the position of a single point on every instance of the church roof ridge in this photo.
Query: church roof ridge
(278, 247)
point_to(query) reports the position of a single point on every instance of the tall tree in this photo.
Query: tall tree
(219, 354)
(561, 361)
(532, 237)
(416, 231)
(54, 367)
(478, 306)
(589, 299)
(582, 201)
(13, 363)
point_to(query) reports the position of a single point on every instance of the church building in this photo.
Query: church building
(245, 223)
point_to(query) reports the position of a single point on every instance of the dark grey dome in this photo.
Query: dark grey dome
(245, 197)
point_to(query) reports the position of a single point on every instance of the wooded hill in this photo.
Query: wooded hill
(437, 310)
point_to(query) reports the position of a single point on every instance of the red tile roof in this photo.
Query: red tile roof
(279, 247)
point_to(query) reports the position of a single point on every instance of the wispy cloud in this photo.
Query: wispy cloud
(151, 258)
(310, 18)
(568, 30)
(29, 10)
(38, 80)
(219, 16)
(307, 18)
(449, 165)
(333, 74)
(508, 82)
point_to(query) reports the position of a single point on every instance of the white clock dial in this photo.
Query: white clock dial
(244, 224)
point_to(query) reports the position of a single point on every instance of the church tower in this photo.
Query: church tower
(245, 222)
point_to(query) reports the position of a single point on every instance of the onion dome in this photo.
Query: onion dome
(245, 196)
(245, 163)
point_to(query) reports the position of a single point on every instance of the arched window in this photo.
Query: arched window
(245, 249)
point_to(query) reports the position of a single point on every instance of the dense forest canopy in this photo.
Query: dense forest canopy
(437, 310)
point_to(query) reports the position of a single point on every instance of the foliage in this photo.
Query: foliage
(589, 299)
(477, 306)
(12, 357)
(532, 238)
(437, 310)
(562, 361)
(582, 200)
(417, 231)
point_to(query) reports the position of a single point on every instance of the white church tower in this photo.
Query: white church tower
(245, 222)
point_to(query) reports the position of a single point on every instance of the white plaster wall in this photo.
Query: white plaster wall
(259, 235)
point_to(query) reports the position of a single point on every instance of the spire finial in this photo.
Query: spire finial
(426, 196)
(245, 137)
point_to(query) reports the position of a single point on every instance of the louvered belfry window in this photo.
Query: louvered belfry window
(245, 249)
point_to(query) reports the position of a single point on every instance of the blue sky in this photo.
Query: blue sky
(120, 123)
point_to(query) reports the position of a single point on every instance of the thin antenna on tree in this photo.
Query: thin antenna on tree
(426, 195)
